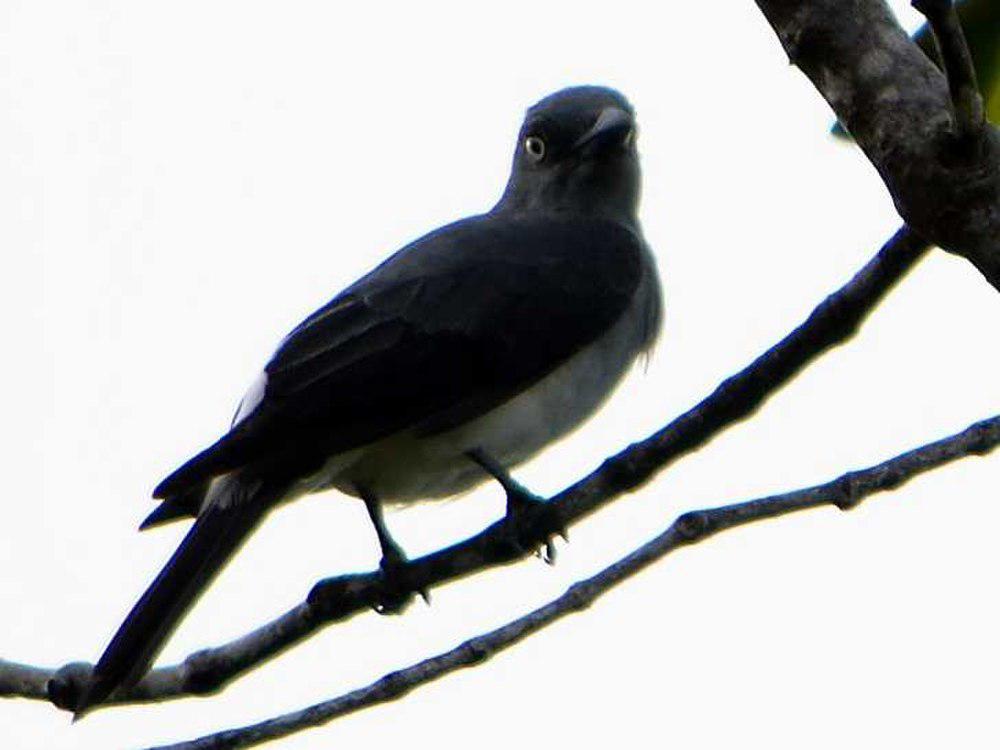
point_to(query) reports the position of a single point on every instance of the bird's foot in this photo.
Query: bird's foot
(68, 687)
(524, 510)
(396, 593)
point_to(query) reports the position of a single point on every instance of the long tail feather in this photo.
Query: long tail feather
(231, 515)
(174, 508)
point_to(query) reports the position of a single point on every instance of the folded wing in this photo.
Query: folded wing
(445, 330)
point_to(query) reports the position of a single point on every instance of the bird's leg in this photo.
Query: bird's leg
(520, 500)
(519, 497)
(392, 554)
(393, 558)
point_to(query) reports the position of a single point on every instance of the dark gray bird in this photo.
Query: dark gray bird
(460, 356)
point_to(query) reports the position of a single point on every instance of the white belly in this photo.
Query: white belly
(407, 468)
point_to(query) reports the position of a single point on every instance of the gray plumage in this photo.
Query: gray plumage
(493, 336)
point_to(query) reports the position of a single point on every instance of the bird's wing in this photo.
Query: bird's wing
(445, 330)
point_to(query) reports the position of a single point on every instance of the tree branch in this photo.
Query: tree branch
(834, 321)
(690, 528)
(944, 176)
(23, 680)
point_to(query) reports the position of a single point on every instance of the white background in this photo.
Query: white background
(182, 182)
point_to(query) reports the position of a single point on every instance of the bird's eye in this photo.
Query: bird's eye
(535, 147)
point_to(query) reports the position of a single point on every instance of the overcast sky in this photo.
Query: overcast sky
(183, 182)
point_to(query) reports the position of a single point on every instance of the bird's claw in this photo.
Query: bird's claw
(520, 500)
(69, 684)
(395, 595)
(521, 505)
(547, 552)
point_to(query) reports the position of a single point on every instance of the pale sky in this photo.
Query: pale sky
(184, 182)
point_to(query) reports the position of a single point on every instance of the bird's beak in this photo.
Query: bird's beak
(611, 128)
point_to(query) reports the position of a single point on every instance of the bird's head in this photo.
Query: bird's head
(576, 152)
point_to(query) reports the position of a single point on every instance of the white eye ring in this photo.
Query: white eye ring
(535, 147)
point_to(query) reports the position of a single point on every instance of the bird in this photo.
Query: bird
(457, 358)
(981, 23)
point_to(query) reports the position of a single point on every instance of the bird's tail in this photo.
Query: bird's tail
(237, 504)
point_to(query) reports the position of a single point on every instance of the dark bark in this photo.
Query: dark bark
(942, 172)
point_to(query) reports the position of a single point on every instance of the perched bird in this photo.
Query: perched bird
(457, 358)
(981, 24)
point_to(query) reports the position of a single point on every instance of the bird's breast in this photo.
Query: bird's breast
(409, 467)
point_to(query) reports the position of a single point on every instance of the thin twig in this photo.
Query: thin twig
(23, 680)
(845, 492)
(834, 321)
